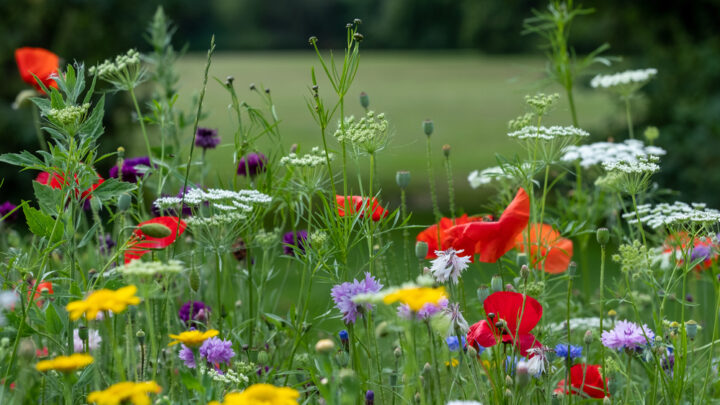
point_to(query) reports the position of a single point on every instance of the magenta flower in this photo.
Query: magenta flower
(194, 311)
(130, 172)
(5, 208)
(343, 295)
(627, 335)
(216, 350)
(252, 164)
(207, 138)
(291, 241)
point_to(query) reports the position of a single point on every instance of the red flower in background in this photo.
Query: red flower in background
(555, 251)
(705, 249)
(141, 243)
(519, 320)
(591, 385)
(430, 235)
(39, 288)
(57, 181)
(492, 239)
(362, 205)
(40, 62)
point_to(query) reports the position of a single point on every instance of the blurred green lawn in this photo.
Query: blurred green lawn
(469, 97)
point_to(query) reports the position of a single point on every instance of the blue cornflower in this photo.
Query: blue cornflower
(563, 351)
(454, 343)
(343, 335)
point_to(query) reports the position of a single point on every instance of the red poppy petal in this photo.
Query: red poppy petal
(592, 384)
(40, 62)
(558, 259)
(526, 342)
(508, 306)
(481, 334)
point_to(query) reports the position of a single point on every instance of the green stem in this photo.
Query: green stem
(629, 117)
(602, 302)
(141, 119)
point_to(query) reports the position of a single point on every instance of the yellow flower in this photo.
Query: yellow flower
(261, 394)
(103, 300)
(193, 338)
(416, 297)
(65, 364)
(134, 392)
(453, 362)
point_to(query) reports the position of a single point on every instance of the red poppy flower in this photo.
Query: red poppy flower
(555, 251)
(57, 181)
(40, 62)
(141, 243)
(591, 385)
(430, 235)
(492, 239)
(39, 288)
(361, 205)
(519, 312)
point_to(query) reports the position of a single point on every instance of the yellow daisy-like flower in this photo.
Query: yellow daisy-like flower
(452, 362)
(103, 300)
(66, 364)
(134, 392)
(261, 394)
(416, 297)
(193, 338)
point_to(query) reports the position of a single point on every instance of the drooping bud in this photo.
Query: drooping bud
(482, 293)
(156, 230)
(402, 178)
(364, 100)
(381, 330)
(496, 283)
(421, 249)
(229, 81)
(124, 201)
(418, 398)
(428, 127)
(194, 279)
(603, 236)
(397, 352)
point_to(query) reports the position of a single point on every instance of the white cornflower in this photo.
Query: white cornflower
(449, 265)
(539, 362)
(628, 77)
(548, 133)
(677, 213)
(94, 340)
(609, 152)
(577, 324)
(641, 165)
(141, 268)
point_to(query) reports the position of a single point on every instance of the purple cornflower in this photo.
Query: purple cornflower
(106, 244)
(5, 208)
(200, 312)
(187, 356)
(216, 350)
(701, 252)
(563, 350)
(369, 398)
(130, 172)
(343, 295)
(252, 164)
(292, 241)
(627, 335)
(426, 312)
(207, 138)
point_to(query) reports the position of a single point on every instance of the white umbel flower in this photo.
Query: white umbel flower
(219, 198)
(677, 213)
(548, 133)
(449, 265)
(628, 77)
(642, 165)
(577, 324)
(315, 158)
(599, 153)
(141, 268)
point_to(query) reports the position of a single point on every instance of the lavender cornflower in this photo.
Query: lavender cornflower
(130, 172)
(627, 335)
(187, 356)
(93, 337)
(449, 265)
(200, 312)
(563, 350)
(207, 138)
(251, 164)
(216, 350)
(343, 295)
(294, 240)
(5, 208)
(700, 252)
(426, 312)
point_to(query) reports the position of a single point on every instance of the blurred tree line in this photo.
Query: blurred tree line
(681, 39)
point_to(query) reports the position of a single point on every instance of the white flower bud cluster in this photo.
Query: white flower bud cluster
(369, 133)
(487, 176)
(70, 114)
(216, 220)
(315, 158)
(625, 78)
(548, 133)
(610, 152)
(229, 377)
(141, 268)
(677, 213)
(641, 165)
(266, 239)
(577, 324)
(317, 239)
(115, 67)
(224, 200)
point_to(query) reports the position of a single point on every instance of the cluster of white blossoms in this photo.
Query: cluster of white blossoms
(577, 324)
(548, 133)
(115, 67)
(315, 158)
(640, 165)
(141, 268)
(677, 213)
(610, 152)
(229, 377)
(8, 299)
(623, 78)
(369, 133)
(217, 219)
(478, 178)
(70, 114)
(224, 200)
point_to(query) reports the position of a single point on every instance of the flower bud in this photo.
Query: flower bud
(612, 313)
(346, 375)
(253, 87)
(603, 236)
(522, 259)
(651, 134)
(402, 178)
(418, 398)
(83, 333)
(691, 328)
(446, 150)
(364, 100)
(588, 338)
(140, 335)
(496, 283)
(421, 250)
(427, 369)
(358, 37)
(572, 268)
(229, 81)
(263, 357)
(510, 287)
(524, 272)
(124, 201)
(194, 279)
(95, 204)
(428, 127)
(472, 351)
(381, 330)
(482, 293)
(508, 381)
(120, 152)
(397, 352)
(369, 398)
(342, 358)
(358, 21)
(508, 393)
(156, 230)
(607, 401)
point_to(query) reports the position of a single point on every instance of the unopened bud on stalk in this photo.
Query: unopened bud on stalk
(603, 236)
(510, 287)
(313, 40)
(364, 100)
(140, 335)
(691, 328)
(95, 204)
(508, 393)
(293, 148)
(427, 368)
(572, 268)
(156, 230)
(418, 398)
(26, 349)
(421, 250)
(446, 150)
(402, 178)
(428, 127)
(472, 352)
(508, 381)
(121, 152)
(482, 293)
(607, 401)
(263, 357)
(358, 37)
(588, 338)
(524, 272)
(358, 21)
(124, 201)
(651, 134)
(496, 283)
(194, 280)
(253, 87)
(612, 313)
(83, 333)
(397, 352)
(346, 375)
(229, 81)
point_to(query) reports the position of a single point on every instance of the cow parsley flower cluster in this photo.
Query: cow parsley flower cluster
(600, 153)
(141, 268)
(224, 200)
(315, 158)
(628, 77)
(548, 133)
(69, 115)
(370, 133)
(576, 324)
(675, 214)
(505, 172)
(114, 67)
(641, 165)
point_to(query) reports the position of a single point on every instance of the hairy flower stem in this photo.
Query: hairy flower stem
(629, 117)
(405, 232)
(433, 193)
(218, 292)
(568, 359)
(712, 344)
(451, 187)
(141, 119)
(602, 305)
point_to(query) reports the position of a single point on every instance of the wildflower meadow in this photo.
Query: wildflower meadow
(298, 277)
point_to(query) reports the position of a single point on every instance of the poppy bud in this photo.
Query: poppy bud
(446, 150)
(364, 100)
(603, 236)
(572, 268)
(418, 398)
(508, 381)
(155, 230)
(27, 349)
(588, 338)
(402, 178)
(428, 127)
(651, 134)
(427, 369)
(421, 250)
(263, 357)
(491, 315)
(397, 352)
(140, 335)
(83, 333)
(381, 330)
(691, 328)
(508, 393)
(194, 280)
(496, 283)
(482, 293)
(524, 272)
(124, 201)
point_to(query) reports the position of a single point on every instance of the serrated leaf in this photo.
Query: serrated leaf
(23, 159)
(111, 188)
(48, 198)
(42, 224)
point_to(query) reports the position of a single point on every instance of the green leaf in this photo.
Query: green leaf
(42, 224)
(53, 324)
(111, 188)
(48, 198)
(92, 127)
(190, 382)
(23, 159)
